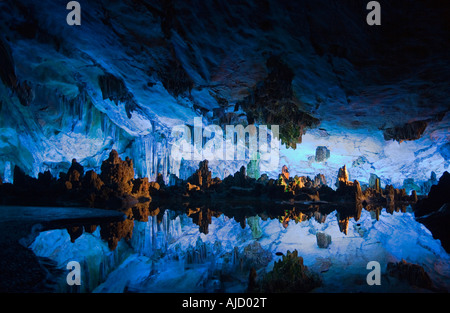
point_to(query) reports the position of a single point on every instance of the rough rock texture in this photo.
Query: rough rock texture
(408, 131)
(141, 188)
(289, 275)
(117, 174)
(342, 176)
(114, 232)
(323, 240)
(253, 255)
(320, 180)
(202, 177)
(138, 68)
(349, 191)
(273, 102)
(239, 179)
(322, 154)
(412, 273)
(426, 186)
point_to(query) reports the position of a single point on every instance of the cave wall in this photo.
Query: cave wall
(377, 98)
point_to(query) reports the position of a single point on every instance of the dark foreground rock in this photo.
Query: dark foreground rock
(434, 211)
(288, 275)
(439, 224)
(414, 274)
(439, 195)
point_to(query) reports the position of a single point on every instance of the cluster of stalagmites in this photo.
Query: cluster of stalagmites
(114, 188)
(288, 275)
(117, 188)
(294, 189)
(286, 198)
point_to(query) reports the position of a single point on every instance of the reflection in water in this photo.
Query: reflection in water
(201, 248)
(202, 214)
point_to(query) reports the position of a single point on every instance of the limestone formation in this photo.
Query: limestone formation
(342, 176)
(323, 240)
(75, 167)
(92, 189)
(75, 232)
(117, 174)
(414, 274)
(285, 172)
(322, 154)
(374, 182)
(434, 211)
(272, 101)
(408, 131)
(202, 177)
(254, 255)
(114, 232)
(289, 275)
(141, 187)
(319, 181)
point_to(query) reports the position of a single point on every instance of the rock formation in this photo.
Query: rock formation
(285, 173)
(253, 255)
(204, 197)
(437, 197)
(141, 189)
(342, 176)
(273, 102)
(434, 211)
(323, 240)
(408, 131)
(322, 154)
(426, 186)
(414, 274)
(202, 177)
(117, 174)
(320, 180)
(289, 275)
(374, 182)
(74, 175)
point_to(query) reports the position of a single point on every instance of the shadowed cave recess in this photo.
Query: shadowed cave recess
(357, 118)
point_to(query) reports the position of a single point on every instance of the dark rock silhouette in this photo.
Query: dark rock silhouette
(438, 223)
(76, 167)
(408, 131)
(202, 177)
(434, 211)
(437, 197)
(273, 102)
(288, 275)
(414, 274)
